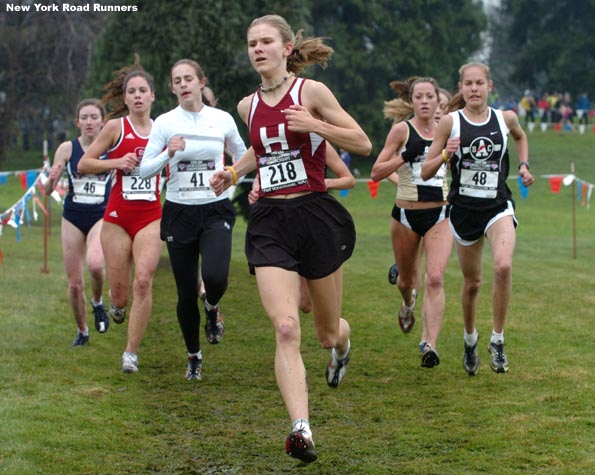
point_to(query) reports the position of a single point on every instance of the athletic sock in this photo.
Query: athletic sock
(497, 338)
(471, 338)
(340, 356)
(302, 425)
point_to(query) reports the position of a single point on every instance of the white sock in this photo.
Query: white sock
(497, 338)
(471, 338)
(96, 303)
(198, 355)
(302, 425)
(209, 307)
(340, 356)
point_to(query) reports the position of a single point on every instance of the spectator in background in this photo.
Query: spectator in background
(543, 108)
(583, 108)
(527, 108)
(567, 113)
(344, 154)
(511, 104)
(554, 101)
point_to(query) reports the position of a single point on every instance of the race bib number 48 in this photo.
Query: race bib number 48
(479, 183)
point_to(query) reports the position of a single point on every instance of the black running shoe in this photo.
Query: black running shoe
(194, 370)
(471, 359)
(300, 446)
(80, 340)
(393, 273)
(101, 318)
(429, 357)
(499, 362)
(214, 327)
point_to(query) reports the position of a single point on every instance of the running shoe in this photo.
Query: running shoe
(214, 327)
(101, 318)
(336, 369)
(300, 446)
(471, 359)
(429, 357)
(118, 313)
(393, 273)
(499, 362)
(406, 314)
(80, 340)
(129, 362)
(194, 370)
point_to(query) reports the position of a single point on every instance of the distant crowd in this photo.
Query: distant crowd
(550, 109)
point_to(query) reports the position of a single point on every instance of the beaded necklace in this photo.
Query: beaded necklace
(275, 86)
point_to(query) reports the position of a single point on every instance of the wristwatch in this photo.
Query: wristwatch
(526, 164)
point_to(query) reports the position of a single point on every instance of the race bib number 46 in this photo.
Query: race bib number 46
(90, 189)
(280, 170)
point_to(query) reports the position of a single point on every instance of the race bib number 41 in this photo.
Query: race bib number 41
(193, 179)
(280, 170)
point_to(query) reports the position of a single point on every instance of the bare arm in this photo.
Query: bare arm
(223, 179)
(436, 157)
(521, 145)
(107, 138)
(393, 178)
(390, 160)
(344, 179)
(322, 114)
(61, 157)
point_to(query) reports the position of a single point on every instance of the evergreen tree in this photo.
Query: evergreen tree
(543, 45)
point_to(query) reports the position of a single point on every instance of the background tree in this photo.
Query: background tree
(44, 57)
(379, 41)
(375, 42)
(544, 45)
(43, 62)
(211, 32)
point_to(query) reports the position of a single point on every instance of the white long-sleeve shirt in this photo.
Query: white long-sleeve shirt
(206, 135)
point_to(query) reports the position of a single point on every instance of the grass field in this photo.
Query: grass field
(71, 411)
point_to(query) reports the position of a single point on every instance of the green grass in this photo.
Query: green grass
(71, 411)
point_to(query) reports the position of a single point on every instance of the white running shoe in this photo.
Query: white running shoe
(118, 314)
(336, 369)
(129, 362)
(407, 314)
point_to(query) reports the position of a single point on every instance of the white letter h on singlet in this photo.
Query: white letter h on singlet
(267, 141)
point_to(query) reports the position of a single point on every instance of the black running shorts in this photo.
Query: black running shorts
(312, 235)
